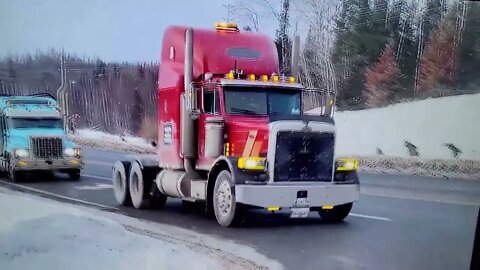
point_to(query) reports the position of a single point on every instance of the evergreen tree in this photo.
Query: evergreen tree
(469, 49)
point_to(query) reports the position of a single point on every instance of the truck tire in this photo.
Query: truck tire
(74, 174)
(227, 212)
(120, 183)
(16, 176)
(337, 214)
(140, 185)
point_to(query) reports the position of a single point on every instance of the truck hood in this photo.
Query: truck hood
(239, 129)
(20, 137)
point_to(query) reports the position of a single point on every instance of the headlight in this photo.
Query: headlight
(21, 153)
(346, 164)
(72, 152)
(251, 163)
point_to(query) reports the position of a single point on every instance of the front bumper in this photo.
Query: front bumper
(28, 164)
(284, 196)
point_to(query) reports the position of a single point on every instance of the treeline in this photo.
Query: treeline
(377, 52)
(388, 51)
(114, 97)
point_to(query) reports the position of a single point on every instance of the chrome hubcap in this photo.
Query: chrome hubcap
(224, 198)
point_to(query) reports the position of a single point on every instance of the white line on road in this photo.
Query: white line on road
(59, 196)
(370, 217)
(97, 177)
(97, 162)
(96, 186)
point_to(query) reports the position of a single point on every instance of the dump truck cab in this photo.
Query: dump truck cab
(33, 138)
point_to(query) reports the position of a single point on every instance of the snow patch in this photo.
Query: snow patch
(37, 232)
(94, 138)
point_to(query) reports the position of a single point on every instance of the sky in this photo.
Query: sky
(113, 30)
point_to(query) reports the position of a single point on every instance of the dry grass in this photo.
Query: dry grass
(468, 169)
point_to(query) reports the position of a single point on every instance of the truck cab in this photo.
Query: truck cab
(235, 134)
(33, 138)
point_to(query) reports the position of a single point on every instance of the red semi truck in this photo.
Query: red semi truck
(234, 133)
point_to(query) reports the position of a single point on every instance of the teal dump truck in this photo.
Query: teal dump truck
(33, 138)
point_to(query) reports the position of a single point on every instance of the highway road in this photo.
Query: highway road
(399, 222)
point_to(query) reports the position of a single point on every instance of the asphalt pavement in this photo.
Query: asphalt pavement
(399, 222)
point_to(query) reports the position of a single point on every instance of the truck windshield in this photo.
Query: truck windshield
(36, 123)
(262, 101)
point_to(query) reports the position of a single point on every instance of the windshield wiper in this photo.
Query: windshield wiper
(243, 111)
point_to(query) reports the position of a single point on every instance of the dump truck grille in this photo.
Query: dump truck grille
(304, 156)
(47, 147)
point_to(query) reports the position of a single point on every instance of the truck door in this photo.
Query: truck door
(210, 106)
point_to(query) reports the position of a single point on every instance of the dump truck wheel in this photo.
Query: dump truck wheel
(16, 176)
(120, 183)
(227, 211)
(74, 174)
(337, 214)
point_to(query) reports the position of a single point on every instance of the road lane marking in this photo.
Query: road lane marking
(59, 196)
(369, 217)
(97, 162)
(96, 186)
(425, 198)
(97, 177)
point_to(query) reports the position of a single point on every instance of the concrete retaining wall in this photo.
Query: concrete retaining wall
(432, 126)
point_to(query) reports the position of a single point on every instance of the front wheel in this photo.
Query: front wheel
(16, 176)
(337, 214)
(227, 211)
(74, 174)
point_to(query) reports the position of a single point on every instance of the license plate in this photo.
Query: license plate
(300, 208)
(299, 212)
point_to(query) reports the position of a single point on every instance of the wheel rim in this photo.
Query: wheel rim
(223, 198)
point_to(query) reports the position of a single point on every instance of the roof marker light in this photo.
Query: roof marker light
(291, 79)
(230, 76)
(264, 78)
(251, 77)
(275, 78)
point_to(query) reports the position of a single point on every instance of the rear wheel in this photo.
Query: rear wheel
(140, 185)
(120, 183)
(74, 174)
(337, 214)
(227, 211)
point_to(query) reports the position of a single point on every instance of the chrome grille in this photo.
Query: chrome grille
(47, 147)
(304, 156)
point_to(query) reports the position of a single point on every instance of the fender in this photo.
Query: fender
(239, 176)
